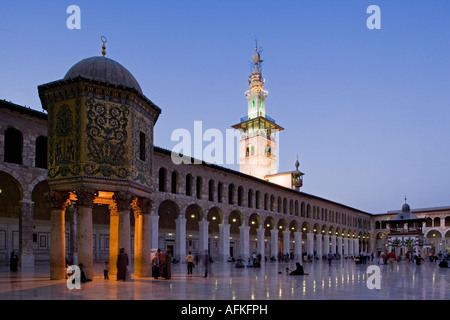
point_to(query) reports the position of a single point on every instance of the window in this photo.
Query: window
(253, 151)
(211, 190)
(174, 186)
(220, 192)
(162, 179)
(199, 186)
(13, 146)
(189, 185)
(142, 146)
(231, 194)
(41, 153)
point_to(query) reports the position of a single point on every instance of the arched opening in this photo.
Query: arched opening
(199, 187)
(174, 182)
(162, 177)
(250, 198)
(10, 196)
(211, 190)
(168, 211)
(220, 192)
(41, 153)
(257, 199)
(13, 146)
(189, 185)
(240, 196)
(231, 194)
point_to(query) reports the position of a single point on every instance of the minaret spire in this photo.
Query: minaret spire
(259, 132)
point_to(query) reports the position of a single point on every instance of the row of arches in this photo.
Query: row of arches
(435, 222)
(169, 211)
(13, 148)
(237, 195)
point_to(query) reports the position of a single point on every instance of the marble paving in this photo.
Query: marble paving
(343, 280)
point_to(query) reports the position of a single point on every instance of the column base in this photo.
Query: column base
(26, 261)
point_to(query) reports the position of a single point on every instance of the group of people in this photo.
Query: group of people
(162, 264)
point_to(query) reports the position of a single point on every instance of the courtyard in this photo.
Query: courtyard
(343, 280)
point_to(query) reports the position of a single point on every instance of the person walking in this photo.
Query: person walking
(106, 271)
(122, 265)
(162, 260)
(13, 262)
(391, 259)
(206, 263)
(155, 266)
(190, 263)
(330, 258)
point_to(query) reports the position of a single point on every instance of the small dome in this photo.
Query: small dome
(406, 208)
(105, 70)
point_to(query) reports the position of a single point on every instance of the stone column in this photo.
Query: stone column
(310, 243)
(123, 201)
(203, 236)
(180, 238)
(224, 241)
(84, 204)
(286, 241)
(356, 246)
(73, 236)
(333, 244)
(260, 233)
(298, 245)
(154, 233)
(326, 244)
(339, 245)
(142, 263)
(113, 238)
(345, 246)
(26, 256)
(319, 246)
(274, 243)
(244, 240)
(350, 246)
(58, 203)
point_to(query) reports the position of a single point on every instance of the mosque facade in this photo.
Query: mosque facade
(85, 179)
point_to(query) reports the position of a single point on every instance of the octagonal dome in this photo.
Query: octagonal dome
(105, 70)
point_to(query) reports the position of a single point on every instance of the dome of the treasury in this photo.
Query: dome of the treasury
(104, 70)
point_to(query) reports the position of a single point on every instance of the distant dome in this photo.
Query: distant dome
(406, 208)
(105, 70)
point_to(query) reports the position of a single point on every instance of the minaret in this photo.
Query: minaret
(258, 142)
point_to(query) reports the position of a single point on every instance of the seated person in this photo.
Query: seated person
(298, 271)
(443, 264)
(239, 264)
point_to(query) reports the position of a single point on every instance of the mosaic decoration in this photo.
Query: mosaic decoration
(107, 136)
(141, 169)
(63, 157)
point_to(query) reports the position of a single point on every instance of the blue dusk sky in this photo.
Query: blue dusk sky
(366, 111)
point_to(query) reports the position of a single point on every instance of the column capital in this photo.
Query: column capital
(123, 200)
(113, 212)
(141, 206)
(85, 197)
(58, 199)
